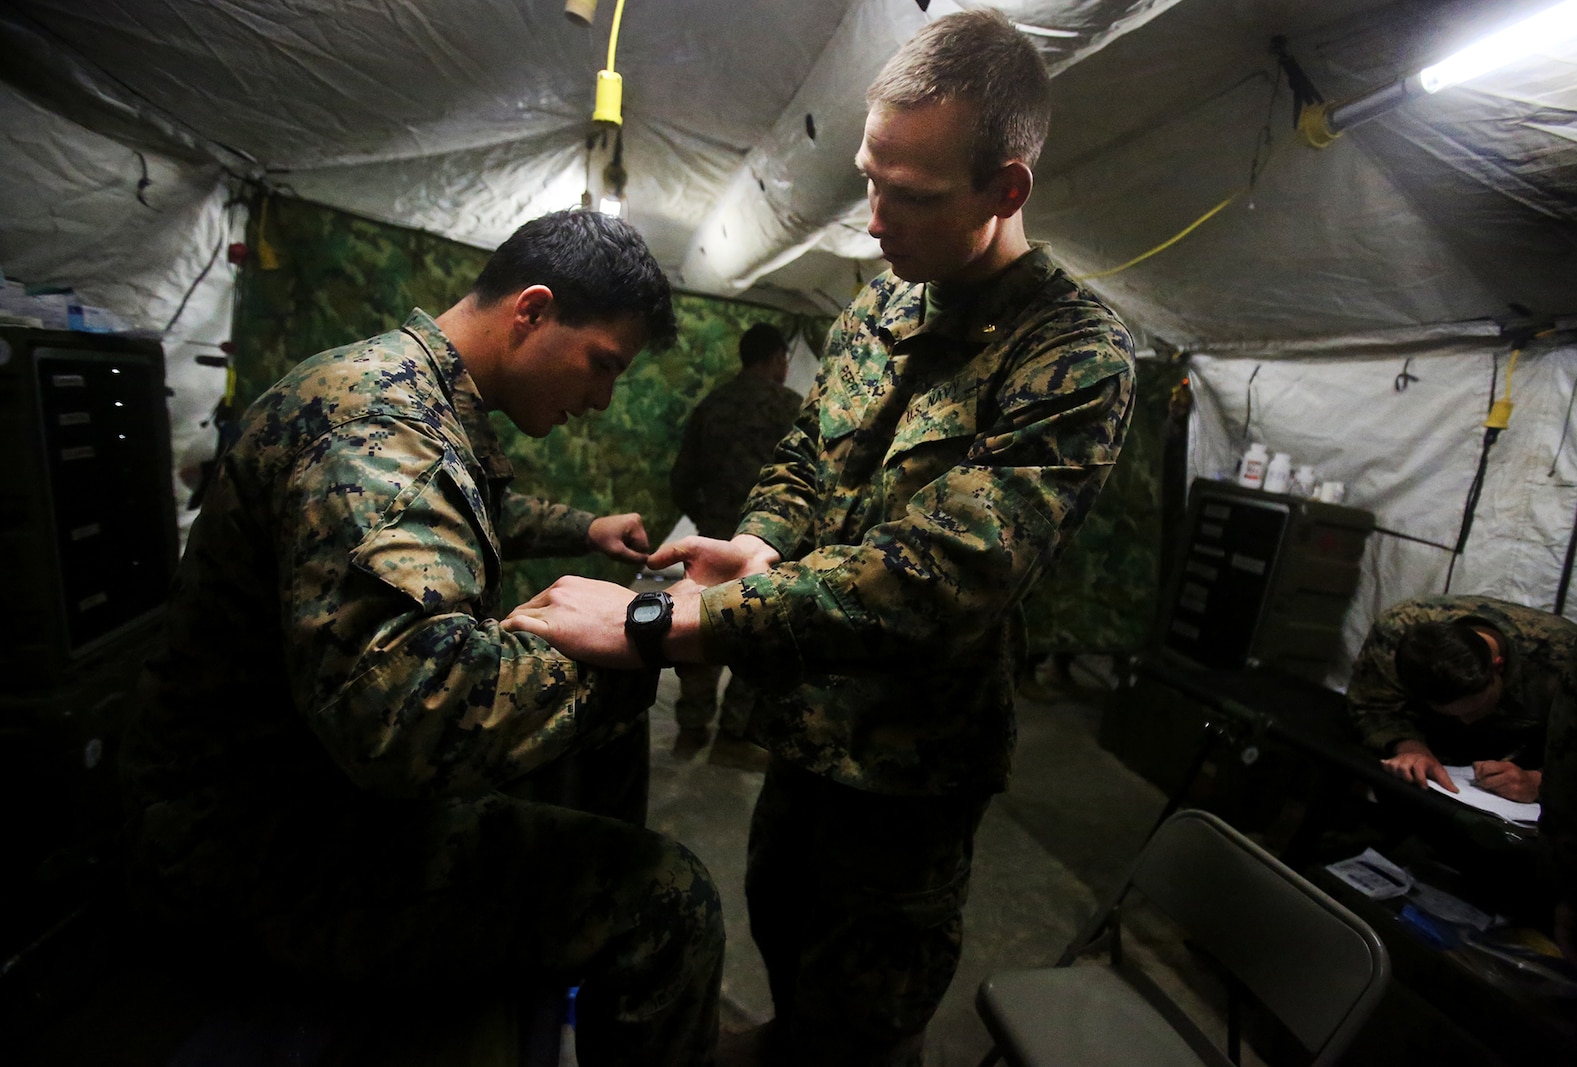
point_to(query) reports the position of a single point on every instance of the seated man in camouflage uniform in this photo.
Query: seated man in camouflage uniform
(1462, 680)
(321, 768)
(1472, 680)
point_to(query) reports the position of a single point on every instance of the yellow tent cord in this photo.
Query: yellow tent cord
(613, 37)
(1164, 245)
(610, 87)
(1186, 230)
(1500, 411)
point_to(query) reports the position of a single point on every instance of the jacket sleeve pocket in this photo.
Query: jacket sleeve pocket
(435, 544)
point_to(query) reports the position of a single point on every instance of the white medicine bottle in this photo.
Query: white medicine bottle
(1251, 475)
(1279, 473)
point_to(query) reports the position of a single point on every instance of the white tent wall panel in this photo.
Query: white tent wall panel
(1518, 542)
(74, 220)
(1396, 451)
(1410, 456)
(1391, 564)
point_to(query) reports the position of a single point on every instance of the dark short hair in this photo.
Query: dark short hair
(1442, 662)
(977, 56)
(597, 266)
(760, 343)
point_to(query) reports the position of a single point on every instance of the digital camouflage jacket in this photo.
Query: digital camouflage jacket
(332, 633)
(1540, 652)
(951, 445)
(728, 438)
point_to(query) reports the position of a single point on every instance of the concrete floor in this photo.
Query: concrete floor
(1048, 850)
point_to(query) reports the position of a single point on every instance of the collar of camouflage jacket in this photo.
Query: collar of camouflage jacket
(974, 315)
(463, 394)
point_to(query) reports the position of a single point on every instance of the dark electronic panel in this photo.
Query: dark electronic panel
(104, 454)
(87, 514)
(88, 543)
(1263, 578)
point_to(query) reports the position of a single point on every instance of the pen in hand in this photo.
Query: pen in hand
(1478, 765)
(1503, 778)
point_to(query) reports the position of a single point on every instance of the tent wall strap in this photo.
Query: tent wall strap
(1566, 570)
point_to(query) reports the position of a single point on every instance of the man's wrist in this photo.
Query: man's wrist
(759, 554)
(682, 642)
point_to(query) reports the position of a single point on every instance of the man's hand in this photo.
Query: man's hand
(709, 561)
(620, 537)
(1413, 762)
(1507, 780)
(582, 618)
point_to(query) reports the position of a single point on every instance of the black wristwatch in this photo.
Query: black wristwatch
(646, 622)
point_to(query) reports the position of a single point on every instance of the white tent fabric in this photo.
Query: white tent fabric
(467, 116)
(1408, 450)
(1442, 211)
(1410, 235)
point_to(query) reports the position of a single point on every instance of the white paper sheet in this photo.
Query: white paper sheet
(1473, 796)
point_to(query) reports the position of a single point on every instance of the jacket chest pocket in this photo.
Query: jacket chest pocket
(869, 475)
(933, 436)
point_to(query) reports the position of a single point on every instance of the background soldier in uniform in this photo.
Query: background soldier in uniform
(971, 403)
(319, 766)
(728, 438)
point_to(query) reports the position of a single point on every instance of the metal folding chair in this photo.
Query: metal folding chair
(1313, 964)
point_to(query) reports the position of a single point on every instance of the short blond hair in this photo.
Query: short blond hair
(979, 57)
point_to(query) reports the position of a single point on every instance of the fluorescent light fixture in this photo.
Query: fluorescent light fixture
(1549, 27)
(612, 205)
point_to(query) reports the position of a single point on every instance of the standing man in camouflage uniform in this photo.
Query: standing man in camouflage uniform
(728, 438)
(319, 771)
(971, 402)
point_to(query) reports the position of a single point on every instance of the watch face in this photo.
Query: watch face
(644, 614)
